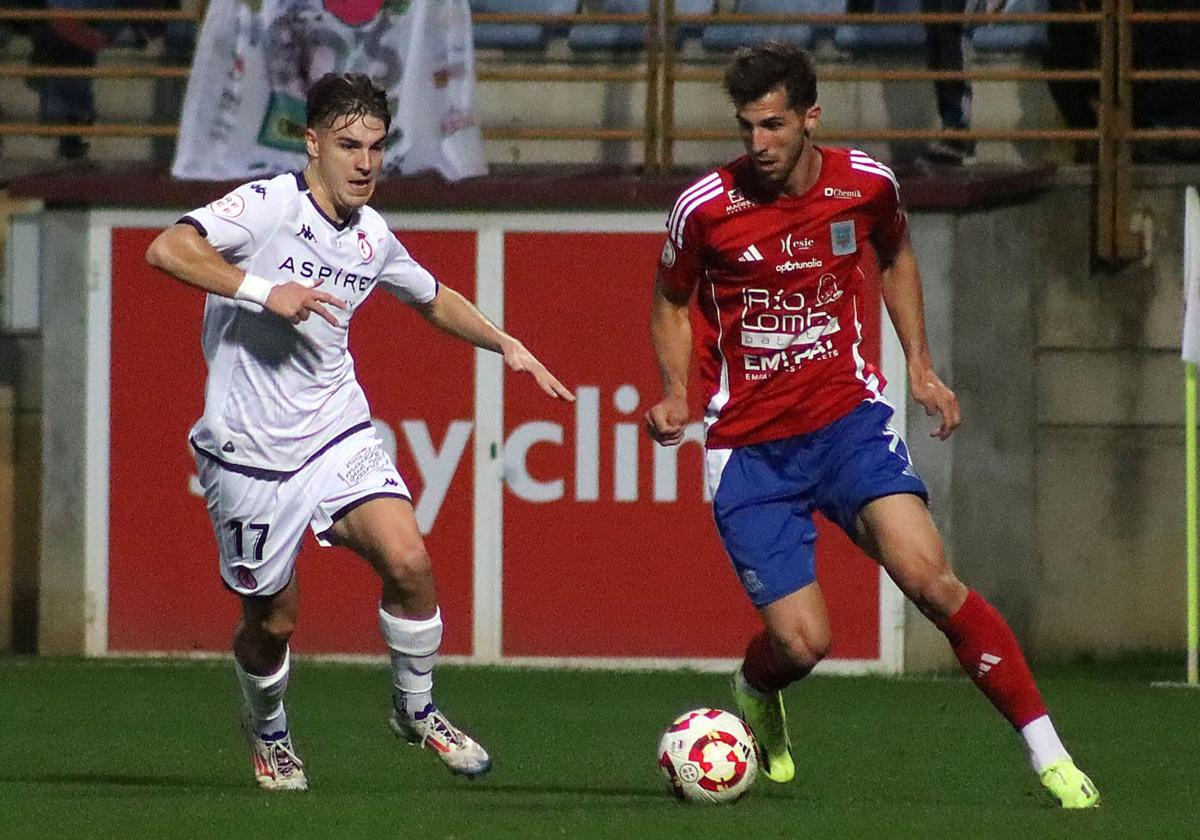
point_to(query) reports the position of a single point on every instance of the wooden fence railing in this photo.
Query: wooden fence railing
(659, 68)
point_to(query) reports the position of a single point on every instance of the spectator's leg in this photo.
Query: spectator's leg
(944, 51)
(1074, 47)
(65, 100)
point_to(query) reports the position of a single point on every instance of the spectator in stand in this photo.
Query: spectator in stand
(77, 43)
(1171, 104)
(73, 43)
(1074, 46)
(944, 51)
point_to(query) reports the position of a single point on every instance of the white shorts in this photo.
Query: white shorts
(259, 517)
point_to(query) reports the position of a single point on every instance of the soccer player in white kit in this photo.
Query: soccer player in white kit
(286, 442)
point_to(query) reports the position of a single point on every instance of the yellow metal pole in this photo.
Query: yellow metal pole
(1193, 620)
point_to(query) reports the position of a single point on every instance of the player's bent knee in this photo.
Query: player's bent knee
(940, 595)
(275, 629)
(803, 653)
(406, 567)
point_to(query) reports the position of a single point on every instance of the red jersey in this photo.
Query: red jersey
(780, 291)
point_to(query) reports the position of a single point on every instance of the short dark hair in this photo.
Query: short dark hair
(756, 71)
(346, 95)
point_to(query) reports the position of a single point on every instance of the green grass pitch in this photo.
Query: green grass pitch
(132, 749)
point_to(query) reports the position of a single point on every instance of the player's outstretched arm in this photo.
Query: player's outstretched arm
(901, 281)
(187, 256)
(671, 333)
(454, 314)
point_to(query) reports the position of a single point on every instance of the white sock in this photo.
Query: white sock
(1042, 744)
(264, 696)
(413, 645)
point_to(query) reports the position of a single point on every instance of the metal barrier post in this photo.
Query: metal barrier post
(654, 44)
(667, 122)
(1106, 114)
(1127, 246)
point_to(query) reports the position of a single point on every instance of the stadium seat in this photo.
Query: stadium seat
(1020, 37)
(527, 36)
(887, 37)
(614, 36)
(725, 38)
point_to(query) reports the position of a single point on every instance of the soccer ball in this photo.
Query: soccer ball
(708, 755)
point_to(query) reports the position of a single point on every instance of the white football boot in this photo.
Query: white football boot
(276, 765)
(432, 730)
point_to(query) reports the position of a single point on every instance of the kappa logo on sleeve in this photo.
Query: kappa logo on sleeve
(231, 206)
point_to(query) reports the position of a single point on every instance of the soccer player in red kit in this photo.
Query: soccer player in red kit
(796, 420)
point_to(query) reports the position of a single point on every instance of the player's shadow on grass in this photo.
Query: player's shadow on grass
(129, 780)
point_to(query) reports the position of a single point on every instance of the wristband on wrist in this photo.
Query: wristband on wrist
(255, 289)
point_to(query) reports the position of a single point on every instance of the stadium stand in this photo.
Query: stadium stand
(615, 36)
(889, 37)
(732, 36)
(1021, 37)
(519, 36)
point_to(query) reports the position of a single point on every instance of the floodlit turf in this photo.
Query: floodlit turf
(130, 749)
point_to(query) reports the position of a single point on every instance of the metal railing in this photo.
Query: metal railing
(659, 69)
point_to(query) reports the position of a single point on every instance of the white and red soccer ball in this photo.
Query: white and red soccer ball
(708, 755)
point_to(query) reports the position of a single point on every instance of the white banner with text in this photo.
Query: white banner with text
(244, 112)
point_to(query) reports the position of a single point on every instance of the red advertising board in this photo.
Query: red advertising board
(601, 557)
(164, 589)
(608, 544)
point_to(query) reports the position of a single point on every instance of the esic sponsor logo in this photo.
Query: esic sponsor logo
(837, 192)
(792, 265)
(789, 246)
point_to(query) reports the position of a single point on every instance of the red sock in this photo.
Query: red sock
(764, 669)
(989, 653)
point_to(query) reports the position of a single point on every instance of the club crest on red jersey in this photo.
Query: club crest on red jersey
(842, 236)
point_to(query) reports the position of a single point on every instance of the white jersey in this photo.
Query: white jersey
(278, 393)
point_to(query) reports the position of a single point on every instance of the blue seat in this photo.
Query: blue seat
(616, 36)
(519, 35)
(888, 37)
(730, 37)
(1018, 37)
